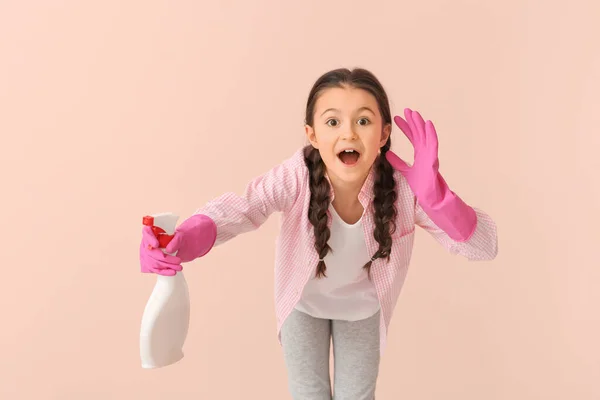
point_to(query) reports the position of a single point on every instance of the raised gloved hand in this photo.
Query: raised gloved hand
(192, 239)
(443, 206)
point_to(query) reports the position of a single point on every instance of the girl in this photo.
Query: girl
(349, 210)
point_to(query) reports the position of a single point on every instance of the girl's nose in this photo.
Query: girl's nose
(348, 134)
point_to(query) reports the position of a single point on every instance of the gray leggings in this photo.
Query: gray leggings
(306, 349)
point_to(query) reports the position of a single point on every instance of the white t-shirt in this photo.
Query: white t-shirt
(346, 293)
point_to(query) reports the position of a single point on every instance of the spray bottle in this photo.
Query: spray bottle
(166, 317)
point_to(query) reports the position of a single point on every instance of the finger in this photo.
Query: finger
(159, 256)
(177, 268)
(432, 138)
(415, 134)
(396, 162)
(419, 126)
(403, 125)
(160, 266)
(174, 244)
(166, 272)
(148, 237)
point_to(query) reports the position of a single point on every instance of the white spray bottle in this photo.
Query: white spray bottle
(166, 317)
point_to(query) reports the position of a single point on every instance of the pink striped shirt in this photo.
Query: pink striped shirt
(286, 189)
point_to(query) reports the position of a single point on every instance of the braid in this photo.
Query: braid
(319, 204)
(385, 209)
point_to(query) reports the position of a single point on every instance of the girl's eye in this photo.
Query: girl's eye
(332, 122)
(363, 121)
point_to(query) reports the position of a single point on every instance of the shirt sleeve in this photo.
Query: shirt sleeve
(482, 245)
(274, 191)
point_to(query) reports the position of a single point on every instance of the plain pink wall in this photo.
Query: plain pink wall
(110, 110)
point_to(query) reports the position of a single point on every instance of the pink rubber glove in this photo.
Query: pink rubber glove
(193, 238)
(443, 206)
(153, 259)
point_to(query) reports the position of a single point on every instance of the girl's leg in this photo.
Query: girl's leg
(306, 347)
(356, 354)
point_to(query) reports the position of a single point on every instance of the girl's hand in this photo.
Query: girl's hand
(423, 175)
(153, 259)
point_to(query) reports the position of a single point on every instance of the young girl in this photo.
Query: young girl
(349, 210)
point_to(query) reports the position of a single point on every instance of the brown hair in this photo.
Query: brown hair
(384, 187)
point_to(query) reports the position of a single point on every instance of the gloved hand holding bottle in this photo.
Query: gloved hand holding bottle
(192, 239)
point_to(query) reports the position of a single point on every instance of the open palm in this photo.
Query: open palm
(422, 175)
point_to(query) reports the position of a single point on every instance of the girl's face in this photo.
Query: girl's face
(348, 131)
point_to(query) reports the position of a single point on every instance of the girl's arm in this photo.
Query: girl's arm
(276, 190)
(462, 229)
(481, 245)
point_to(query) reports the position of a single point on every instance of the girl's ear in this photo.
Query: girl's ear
(385, 134)
(310, 134)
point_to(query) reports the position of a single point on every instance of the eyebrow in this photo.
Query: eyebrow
(359, 110)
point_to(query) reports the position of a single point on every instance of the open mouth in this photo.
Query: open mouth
(349, 157)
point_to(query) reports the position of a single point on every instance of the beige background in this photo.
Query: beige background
(110, 110)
